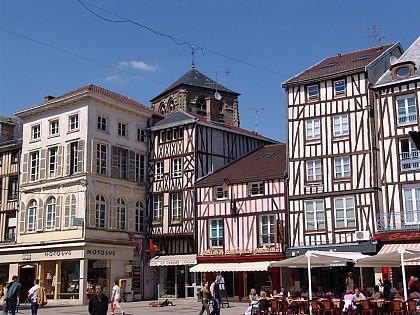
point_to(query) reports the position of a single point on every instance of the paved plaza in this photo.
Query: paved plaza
(182, 306)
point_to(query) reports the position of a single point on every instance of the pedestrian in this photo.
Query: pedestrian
(115, 298)
(215, 293)
(386, 284)
(12, 297)
(206, 298)
(98, 304)
(33, 296)
(350, 282)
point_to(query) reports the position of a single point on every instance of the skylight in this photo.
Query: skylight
(267, 155)
(330, 64)
(361, 58)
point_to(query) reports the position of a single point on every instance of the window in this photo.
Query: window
(267, 234)
(54, 127)
(122, 163)
(15, 157)
(10, 227)
(32, 209)
(122, 129)
(314, 215)
(69, 210)
(1, 159)
(313, 92)
(181, 132)
(176, 201)
(407, 110)
(141, 135)
(403, 71)
(102, 123)
(36, 132)
(169, 135)
(52, 162)
(121, 214)
(140, 167)
(345, 213)
(313, 129)
(100, 215)
(162, 136)
(340, 87)
(74, 157)
(342, 167)
(341, 125)
(140, 217)
(175, 133)
(256, 189)
(220, 193)
(157, 208)
(201, 106)
(13, 188)
(159, 170)
(34, 165)
(216, 233)
(313, 171)
(409, 156)
(411, 204)
(51, 207)
(73, 122)
(176, 167)
(101, 159)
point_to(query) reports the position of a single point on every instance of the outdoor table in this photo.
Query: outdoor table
(379, 305)
(298, 305)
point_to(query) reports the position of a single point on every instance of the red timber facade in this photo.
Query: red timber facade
(241, 221)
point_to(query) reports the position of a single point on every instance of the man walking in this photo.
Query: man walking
(12, 297)
(215, 292)
(33, 296)
(98, 304)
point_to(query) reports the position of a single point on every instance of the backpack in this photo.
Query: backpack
(42, 297)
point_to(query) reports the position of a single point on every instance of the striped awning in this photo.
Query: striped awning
(392, 248)
(174, 260)
(225, 267)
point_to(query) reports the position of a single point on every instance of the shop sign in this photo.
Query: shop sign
(58, 253)
(77, 221)
(26, 256)
(400, 236)
(100, 252)
(218, 252)
(338, 264)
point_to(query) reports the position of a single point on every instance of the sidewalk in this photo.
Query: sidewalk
(182, 306)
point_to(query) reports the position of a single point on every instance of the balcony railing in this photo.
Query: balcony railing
(10, 237)
(406, 220)
(410, 160)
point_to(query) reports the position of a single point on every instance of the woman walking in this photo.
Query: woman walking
(206, 298)
(115, 298)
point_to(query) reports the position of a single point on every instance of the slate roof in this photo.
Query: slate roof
(411, 54)
(267, 162)
(195, 78)
(101, 92)
(339, 64)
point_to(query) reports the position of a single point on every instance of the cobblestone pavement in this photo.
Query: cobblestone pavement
(182, 306)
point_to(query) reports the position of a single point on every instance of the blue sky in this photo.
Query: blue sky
(51, 47)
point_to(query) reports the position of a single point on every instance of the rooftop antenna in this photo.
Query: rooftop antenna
(256, 111)
(375, 34)
(217, 95)
(192, 59)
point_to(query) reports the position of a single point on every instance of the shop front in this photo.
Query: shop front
(68, 272)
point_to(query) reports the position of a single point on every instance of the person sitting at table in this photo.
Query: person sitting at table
(304, 293)
(399, 295)
(358, 296)
(284, 292)
(320, 293)
(365, 291)
(414, 294)
(376, 293)
(253, 296)
(255, 304)
(348, 301)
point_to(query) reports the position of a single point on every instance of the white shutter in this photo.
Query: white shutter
(59, 160)
(92, 210)
(130, 215)
(25, 168)
(132, 166)
(114, 166)
(40, 216)
(68, 159)
(80, 155)
(58, 212)
(22, 222)
(43, 164)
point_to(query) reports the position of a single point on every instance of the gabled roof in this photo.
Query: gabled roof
(98, 91)
(339, 64)
(266, 162)
(195, 78)
(412, 54)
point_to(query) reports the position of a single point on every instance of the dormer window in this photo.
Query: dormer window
(402, 70)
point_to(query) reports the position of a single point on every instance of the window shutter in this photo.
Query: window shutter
(22, 226)
(80, 150)
(114, 167)
(94, 167)
(113, 213)
(132, 166)
(59, 160)
(58, 212)
(25, 168)
(67, 212)
(129, 215)
(92, 211)
(68, 159)
(40, 216)
(42, 164)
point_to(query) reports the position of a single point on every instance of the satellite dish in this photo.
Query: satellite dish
(217, 96)
(393, 60)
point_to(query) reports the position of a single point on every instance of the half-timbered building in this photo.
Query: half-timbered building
(334, 187)
(398, 94)
(241, 221)
(82, 194)
(185, 147)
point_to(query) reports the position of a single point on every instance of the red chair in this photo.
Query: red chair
(316, 309)
(366, 309)
(274, 307)
(398, 307)
(411, 305)
(261, 308)
(327, 307)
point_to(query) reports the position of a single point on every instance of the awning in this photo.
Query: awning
(389, 248)
(239, 266)
(174, 260)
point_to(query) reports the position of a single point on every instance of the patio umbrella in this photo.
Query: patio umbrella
(396, 258)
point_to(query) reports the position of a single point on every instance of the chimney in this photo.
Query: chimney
(7, 131)
(213, 109)
(48, 98)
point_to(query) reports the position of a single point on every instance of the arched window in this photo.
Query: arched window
(201, 106)
(100, 211)
(32, 215)
(171, 105)
(51, 208)
(140, 217)
(162, 108)
(121, 214)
